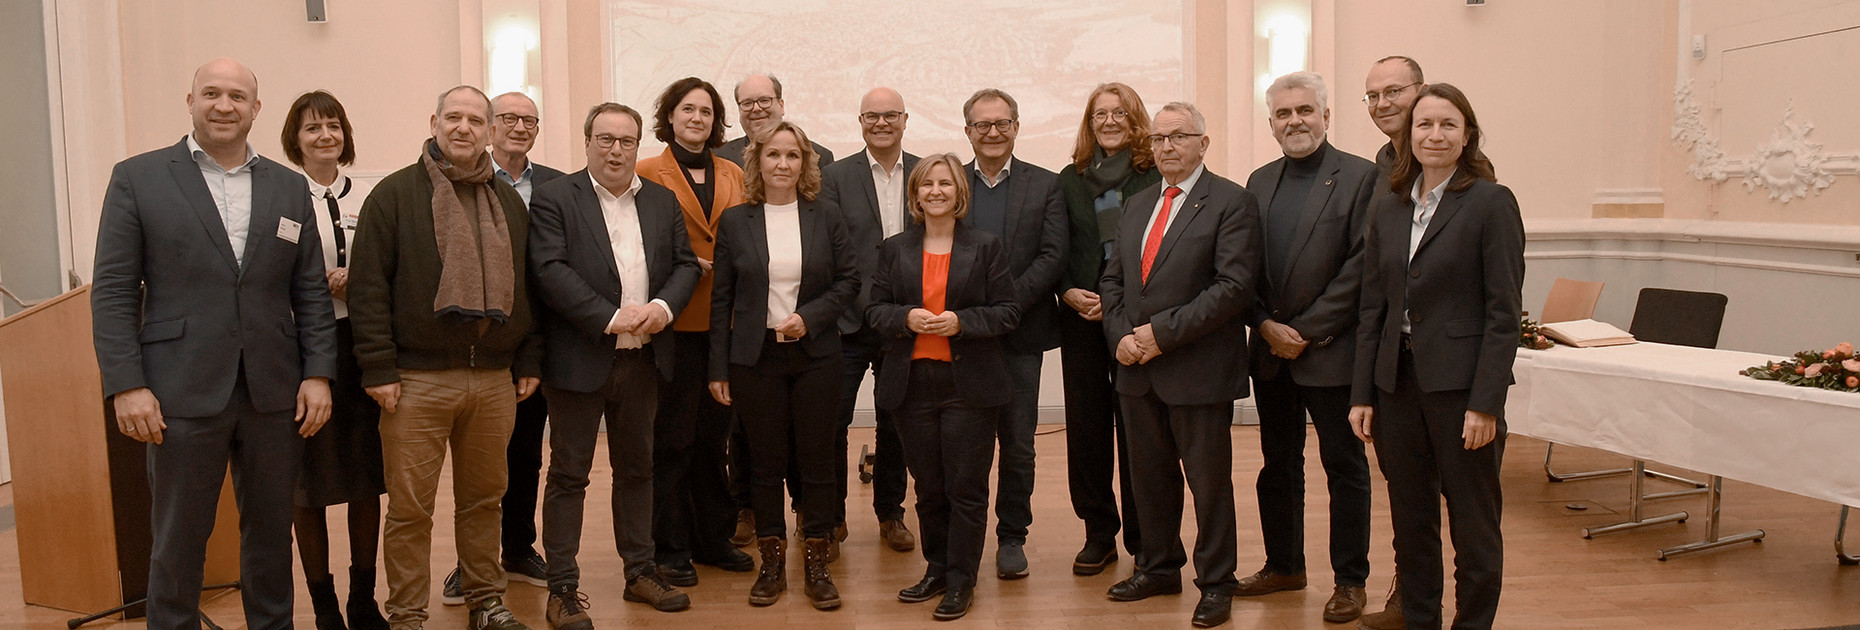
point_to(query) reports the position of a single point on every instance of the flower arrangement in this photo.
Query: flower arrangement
(1529, 337)
(1835, 368)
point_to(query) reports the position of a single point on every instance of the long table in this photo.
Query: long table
(1689, 407)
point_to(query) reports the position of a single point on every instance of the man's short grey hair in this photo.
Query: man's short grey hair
(495, 99)
(1307, 80)
(440, 105)
(1013, 107)
(1187, 109)
(737, 92)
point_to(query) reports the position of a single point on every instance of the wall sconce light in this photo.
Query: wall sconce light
(1288, 43)
(509, 63)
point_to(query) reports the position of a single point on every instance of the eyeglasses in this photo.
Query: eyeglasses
(1098, 117)
(511, 120)
(1387, 95)
(627, 143)
(1177, 139)
(872, 118)
(756, 103)
(980, 127)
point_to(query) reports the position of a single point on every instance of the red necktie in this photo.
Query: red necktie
(1154, 242)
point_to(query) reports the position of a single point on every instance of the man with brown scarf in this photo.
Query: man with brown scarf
(442, 321)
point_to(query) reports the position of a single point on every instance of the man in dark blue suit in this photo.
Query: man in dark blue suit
(216, 339)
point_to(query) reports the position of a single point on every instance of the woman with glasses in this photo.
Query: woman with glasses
(1443, 262)
(942, 297)
(784, 274)
(692, 516)
(342, 462)
(1110, 162)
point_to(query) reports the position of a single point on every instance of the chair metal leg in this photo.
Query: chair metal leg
(1672, 478)
(1712, 521)
(1556, 477)
(1840, 547)
(1635, 500)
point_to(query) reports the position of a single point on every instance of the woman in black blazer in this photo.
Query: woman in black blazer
(1443, 262)
(783, 273)
(942, 296)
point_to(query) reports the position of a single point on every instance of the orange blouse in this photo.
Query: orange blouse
(936, 277)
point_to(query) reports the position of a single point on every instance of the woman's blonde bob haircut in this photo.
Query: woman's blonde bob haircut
(922, 173)
(807, 185)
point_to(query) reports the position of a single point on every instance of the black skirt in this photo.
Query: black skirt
(342, 462)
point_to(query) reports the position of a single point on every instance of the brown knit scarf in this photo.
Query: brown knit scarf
(476, 276)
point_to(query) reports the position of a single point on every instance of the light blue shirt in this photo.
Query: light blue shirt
(232, 193)
(521, 182)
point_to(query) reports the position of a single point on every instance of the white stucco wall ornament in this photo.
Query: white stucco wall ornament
(1789, 166)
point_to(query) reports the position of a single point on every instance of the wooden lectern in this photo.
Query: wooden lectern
(80, 487)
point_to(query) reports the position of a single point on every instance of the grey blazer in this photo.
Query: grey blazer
(172, 310)
(846, 188)
(1323, 272)
(1198, 297)
(572, 261)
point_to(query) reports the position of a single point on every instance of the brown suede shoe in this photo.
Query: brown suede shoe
(1266, 581)
(649, 588)
(745, 529)
(896, 536)
(1390, 617)
(1346, 603)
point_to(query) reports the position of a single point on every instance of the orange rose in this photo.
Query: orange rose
(1845, 348)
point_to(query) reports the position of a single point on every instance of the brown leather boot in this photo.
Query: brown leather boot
(773, 579)
(1390, 618)
(820, 588)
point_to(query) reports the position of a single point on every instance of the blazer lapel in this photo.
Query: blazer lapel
(194, 189)
(911, 284)
(1131, 232)
(1449, 206)
(1186, 208)
(1016, 194)
(961, 256)
(265, 213)
(588, 204)
(1315, 202)
(671, 178)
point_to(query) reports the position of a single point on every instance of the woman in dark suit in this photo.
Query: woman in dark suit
(1444, 259)
(342, 462)
(942, 295)
(784, 273)
(1111, 161)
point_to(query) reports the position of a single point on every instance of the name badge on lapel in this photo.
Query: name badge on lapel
(289, 230)
(349, 221)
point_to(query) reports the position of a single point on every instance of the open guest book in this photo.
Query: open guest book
(1586, 333)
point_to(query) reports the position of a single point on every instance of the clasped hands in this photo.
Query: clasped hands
(1138, 347)
(1089, 306)
(923, 322)
(1284, 340)
(641, 320)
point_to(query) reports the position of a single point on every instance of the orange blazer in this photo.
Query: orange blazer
(662, 169)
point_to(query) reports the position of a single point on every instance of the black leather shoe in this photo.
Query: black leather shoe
(955, 604)
(1094, 558)
(923, 590)
(679, 573)
(1213, 610)
(1144, 586)
(729, 559)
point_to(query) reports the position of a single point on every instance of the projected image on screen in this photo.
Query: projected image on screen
(1048, 54)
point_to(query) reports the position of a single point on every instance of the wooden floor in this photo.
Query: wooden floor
(1553, 577)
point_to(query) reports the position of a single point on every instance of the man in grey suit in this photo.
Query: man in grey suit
(1176, 293)
(759, 106)
(1022, 204)
(1314, 203)
(867, 188)
(216, 338)
(612, 263)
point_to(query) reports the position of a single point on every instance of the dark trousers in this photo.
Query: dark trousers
(525, 459)
(1423, 457)
(185, 475)
(788, 393)
(1095, 440)
(950, 448)
(740, 484)
(691, 510)
(1170, 443)
(1282, 408)
(1014, 496)
(865, 350)
(628, 400)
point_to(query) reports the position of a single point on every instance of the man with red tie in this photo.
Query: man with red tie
(1176, 294)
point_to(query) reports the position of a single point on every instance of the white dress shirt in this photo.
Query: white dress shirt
(621, 214)
(783, 223)
(349, 194)
(232, 193)
(1175, 209)
(1424, 206)
(890, 187)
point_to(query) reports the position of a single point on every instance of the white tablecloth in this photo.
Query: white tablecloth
(1689, 407)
